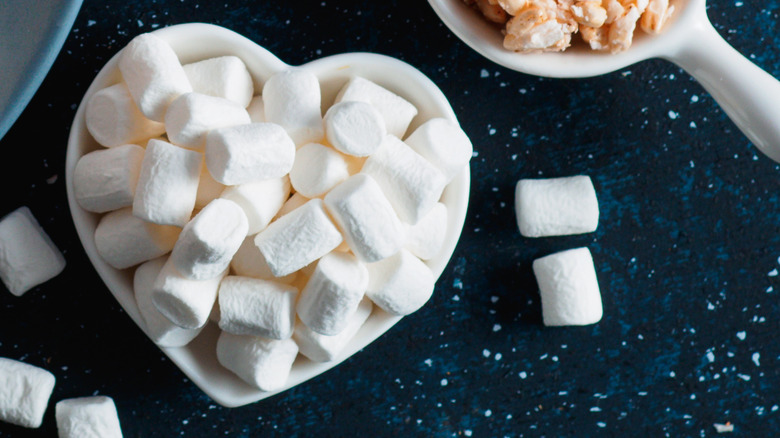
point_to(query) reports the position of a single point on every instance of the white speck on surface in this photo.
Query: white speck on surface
(769, 290)
(488, 413)
(498, 356)
(723, 428)
(694, 98)
(91, 23)
(601, 424)
(486, 353)
(595, 409)
(756, 357)
(467, 432)
(741, 335)
(711, 356)
(496, 327)
(672, 374)
(692, 125)
(522, 374)
(455, 298)
(673, 115)
(484, 73)
(428, 362)
(443, 382)
(744, 377)
(772, 273)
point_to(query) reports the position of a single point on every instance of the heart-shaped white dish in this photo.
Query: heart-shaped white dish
(197, 41)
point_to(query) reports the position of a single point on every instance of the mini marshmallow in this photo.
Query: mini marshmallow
(443, 143)
(260, 200)
(153, 74)
(186, 303)
(247, 153)
(250, 306)
(556, 206)
(223, 76)
(28, 257)
(250, 262)
(158, 327)
(400, 284)
(426, 238)
(411, 183)
(395, 110)
(209, 189)
(87, 417)
(354, 128)
(262, 363)
(256, 110)
(298, 238)
(208, 242)
(295, 201)
(167, 184)
(292, 99)
(569, 288)
(123, 240)
(24, 393)
(105, 179)
(191, 116)
(364, 214)
(322, 348)
(317, 169)
(333, 292)
(113, 118)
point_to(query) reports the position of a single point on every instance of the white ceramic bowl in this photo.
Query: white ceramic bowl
(197, 41)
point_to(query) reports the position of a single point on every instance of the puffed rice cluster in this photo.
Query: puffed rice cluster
(548, 25)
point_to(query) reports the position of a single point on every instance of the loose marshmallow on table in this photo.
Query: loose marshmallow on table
(298, 238)
(247, 153)
(187, 303)
(113, 118)
(263, 363)
(123, 240)
(208, 242)
(443, 143)
(411, 183)
(87, 417)
(256, 110)
(317, 169)
(292, 99)
(395, 110)
(250, 306)
(569, 288)
(333, 292)
(250, 262)
(426, 238)
(192, 115)
(159, 328)
(354, 128)
(364, 214)
(167, 184)
(24, 393)
(556, 206)
(223, 76)
(28, 257)
(105, 179)
(322, 348)
(153, 74)
(400, 284)
(260, 200)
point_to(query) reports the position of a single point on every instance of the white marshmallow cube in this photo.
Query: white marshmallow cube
(443, 143)
(250, 262)
(156, 325)
(317, 169)
(263, 363)
(298, 238)
(400, 284)
(208, 242)
(426, 238)
(295, 201)
(153, 74)
(256, 110)
(411, 183)
(209, 189)
(222, 76)
(250, 306)
(333, 292)
(28, 257)
(569, 288)
(260, 200)
(364, 214)
(167, 184)
(105, 179)
(354, 128)
(186, 303)
(292, 99)
(123, 240)
(322, 348)
(556, 206)
(113, 118)
(87, 417)
(395, 110)
(24, 393)
(248, 153)
(191, 116)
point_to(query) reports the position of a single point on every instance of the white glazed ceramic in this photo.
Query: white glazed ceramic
(196, 41)
(746, 93)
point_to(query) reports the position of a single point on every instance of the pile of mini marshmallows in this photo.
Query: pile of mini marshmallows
(567, 280)
(283, 225)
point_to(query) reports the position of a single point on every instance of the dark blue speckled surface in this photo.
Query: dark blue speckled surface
(686, 252)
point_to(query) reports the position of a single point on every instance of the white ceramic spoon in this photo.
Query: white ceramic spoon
(749, 95)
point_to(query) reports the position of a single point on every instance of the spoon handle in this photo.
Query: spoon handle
(749, 95)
